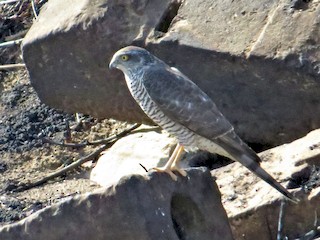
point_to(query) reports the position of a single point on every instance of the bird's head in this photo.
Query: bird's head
(131, 58)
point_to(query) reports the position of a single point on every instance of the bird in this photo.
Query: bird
(180, 107)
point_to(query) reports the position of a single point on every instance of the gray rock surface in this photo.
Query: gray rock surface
(68, 49)
(138, 207)
(260, 62)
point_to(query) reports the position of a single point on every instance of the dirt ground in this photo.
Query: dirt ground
(25, 123)
(25, 156)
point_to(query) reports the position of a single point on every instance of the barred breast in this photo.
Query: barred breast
(139, 93)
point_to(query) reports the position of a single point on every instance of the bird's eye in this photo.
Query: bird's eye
(124, 57)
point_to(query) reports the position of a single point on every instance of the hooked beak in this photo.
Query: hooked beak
(113, 63)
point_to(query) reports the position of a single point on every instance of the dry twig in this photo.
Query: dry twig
(8, 1)
(16, 36)
(10, 43)
(92, 143)
(144, 168)
(62, 171)
(77, 163)
(313, 234)
(34, 9)
(12, 66)
(280, 222)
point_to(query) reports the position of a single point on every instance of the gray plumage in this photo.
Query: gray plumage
(179, 106)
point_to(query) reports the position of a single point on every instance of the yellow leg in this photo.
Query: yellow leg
(172, 163)
(175, 164)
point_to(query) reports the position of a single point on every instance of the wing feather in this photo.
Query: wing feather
(184, 102)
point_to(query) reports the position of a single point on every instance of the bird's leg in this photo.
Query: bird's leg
(167, 167)
(175, 164)
(172, 163)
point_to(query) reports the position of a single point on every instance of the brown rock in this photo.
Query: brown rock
(138, 207)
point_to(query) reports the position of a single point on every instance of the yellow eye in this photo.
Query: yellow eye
(124, 57)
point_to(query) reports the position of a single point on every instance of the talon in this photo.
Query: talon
(168, 171)
(172, 164)
(179, 170)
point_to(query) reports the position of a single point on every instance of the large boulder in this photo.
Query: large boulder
(138, 207)
(259, 61)
(68, 49)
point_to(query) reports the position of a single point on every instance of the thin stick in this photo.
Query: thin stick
(11, 66)
(64, 144)
(16, 36)
(63, 170)
(11, 43)
(280, 221)
(106, 140)
(313, 234)
(8, 1)
(78, 120)
(68, 135)
(34, 9)
(93, 143)
(74, 164)
(144, 168)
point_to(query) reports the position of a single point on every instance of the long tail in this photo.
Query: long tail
(242, 153)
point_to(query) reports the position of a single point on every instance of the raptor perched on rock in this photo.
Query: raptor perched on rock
(180, 107)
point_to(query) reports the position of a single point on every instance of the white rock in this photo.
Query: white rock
(146, 147)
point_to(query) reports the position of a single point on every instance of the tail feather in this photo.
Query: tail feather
(242, 153)
(260, 172)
